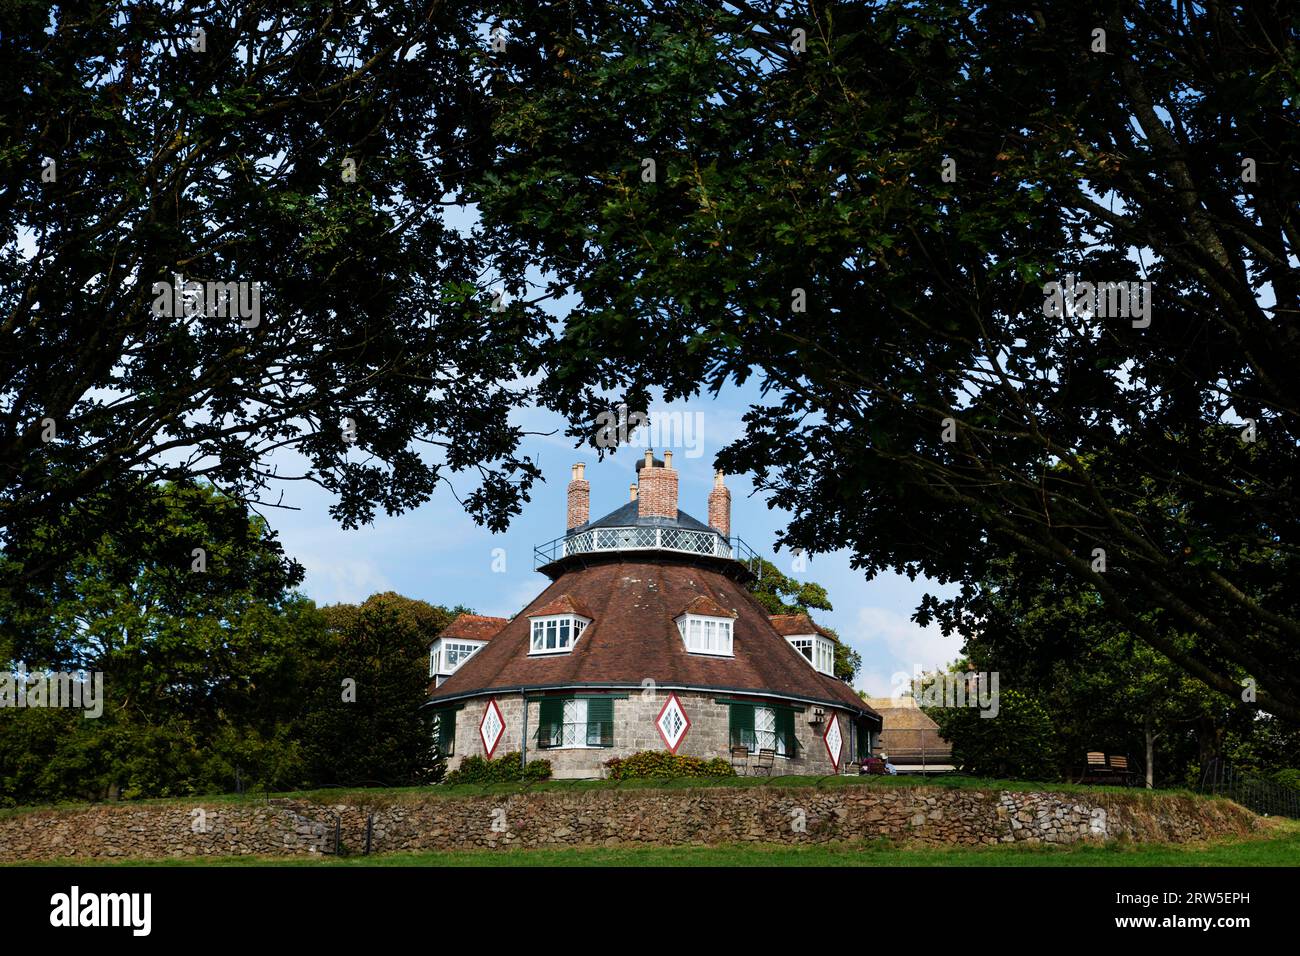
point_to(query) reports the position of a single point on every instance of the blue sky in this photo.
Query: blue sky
(439, 555)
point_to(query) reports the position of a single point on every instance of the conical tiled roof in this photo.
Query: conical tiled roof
(633, 604)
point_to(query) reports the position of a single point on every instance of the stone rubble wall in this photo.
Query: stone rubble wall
(926, 815)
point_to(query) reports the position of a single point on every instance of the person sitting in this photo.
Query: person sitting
(889, 767)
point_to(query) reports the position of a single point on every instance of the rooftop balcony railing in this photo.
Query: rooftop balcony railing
(637, 538)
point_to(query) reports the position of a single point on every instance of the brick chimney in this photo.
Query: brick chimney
(720, 506)
(579, 498)
(656, 487)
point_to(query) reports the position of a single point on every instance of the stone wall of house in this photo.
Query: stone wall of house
(635, 717)
(930, 815)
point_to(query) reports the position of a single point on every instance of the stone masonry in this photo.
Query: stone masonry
(925, 815)
(634, 728)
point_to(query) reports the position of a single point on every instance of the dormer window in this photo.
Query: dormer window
(706, 627)
(706, 635)
(818, 650)
(554, 628)
(447, 654)
(459, 641)
(556, 634)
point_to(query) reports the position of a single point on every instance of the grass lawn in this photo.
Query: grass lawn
(1278, 845)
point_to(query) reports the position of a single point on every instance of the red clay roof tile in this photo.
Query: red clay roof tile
(475, 627)
(788, 625)
(564, 604)
(705, 606)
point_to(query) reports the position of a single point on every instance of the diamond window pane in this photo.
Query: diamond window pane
(491, 728)
(673, 723)
(834, 741)
(575, 723)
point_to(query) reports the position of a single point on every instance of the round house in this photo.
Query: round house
(647, 639)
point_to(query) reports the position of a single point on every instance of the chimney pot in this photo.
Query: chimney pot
(649, 457)
(631, 489)
(668, 459)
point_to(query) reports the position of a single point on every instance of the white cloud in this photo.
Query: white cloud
(519, 596)
(880, 632)
(876, 683)
(348, 580)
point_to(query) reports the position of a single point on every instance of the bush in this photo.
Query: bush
(504, 769)
(660, 764)
(1019, 744)
(1289, 777)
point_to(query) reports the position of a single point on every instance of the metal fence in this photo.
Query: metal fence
(640, 538)
(1253, 793)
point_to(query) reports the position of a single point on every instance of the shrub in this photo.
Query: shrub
(504, 769)
(1289, 777)
(660, 764)
(1020, 744)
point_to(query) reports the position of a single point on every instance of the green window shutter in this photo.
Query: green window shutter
(600, 722)
(785, 730)
(552, 716)
(446, 732)
(741, 721)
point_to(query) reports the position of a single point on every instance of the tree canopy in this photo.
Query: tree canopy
(866, 205)
(215, 675)
(305, 156)
(1013, 281)
(781, 594)
(1102, 689)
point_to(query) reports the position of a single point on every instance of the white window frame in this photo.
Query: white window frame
(473, 647)
(545, 633)
(767, 716)
(710, 636)
(573, 716)
(817, 650)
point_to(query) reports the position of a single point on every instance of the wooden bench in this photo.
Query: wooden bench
(921, 759)
(1097, 766)
(1100, 768)
(1120, 769)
